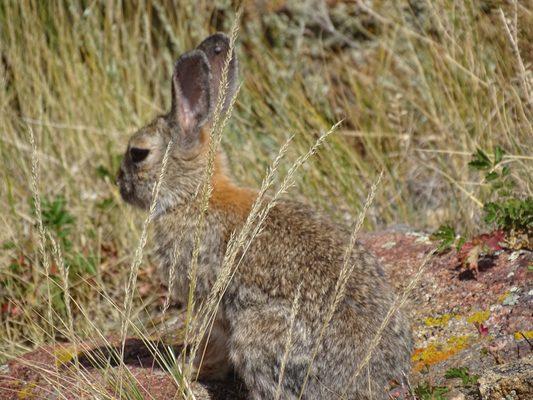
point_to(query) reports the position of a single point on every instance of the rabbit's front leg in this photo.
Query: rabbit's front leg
(212, 360)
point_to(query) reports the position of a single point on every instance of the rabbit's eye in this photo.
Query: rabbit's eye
(137, 155)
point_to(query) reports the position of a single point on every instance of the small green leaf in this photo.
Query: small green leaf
(103, 172)
(8, 245)
(425, 391)
(480, 160)
(446, 237)
(15, 268)
(460, 243)
(463, 374)
(505, 170)
(491, 210)
(498, 155)
(491, 176)
(105, 204)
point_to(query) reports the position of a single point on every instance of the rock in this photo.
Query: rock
(512, 381)
(459, 321)
(455, 395)
(51, 372)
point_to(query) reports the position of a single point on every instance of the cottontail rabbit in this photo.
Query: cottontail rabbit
(297, 247)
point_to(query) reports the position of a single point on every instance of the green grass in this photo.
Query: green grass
(418, 89)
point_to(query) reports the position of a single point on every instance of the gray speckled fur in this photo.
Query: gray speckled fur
(297, 246)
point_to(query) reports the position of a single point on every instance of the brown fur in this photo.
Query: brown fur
(228, 197)
(296, 248)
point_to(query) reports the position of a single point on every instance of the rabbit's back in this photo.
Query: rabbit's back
(299, 247)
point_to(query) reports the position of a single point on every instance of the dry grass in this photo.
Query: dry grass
(417, 88)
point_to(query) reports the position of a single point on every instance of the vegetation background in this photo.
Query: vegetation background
(419, 86)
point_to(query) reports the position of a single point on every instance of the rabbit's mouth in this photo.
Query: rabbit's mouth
(126, 192)
(129, 195)
(135, 191)
(127, 189)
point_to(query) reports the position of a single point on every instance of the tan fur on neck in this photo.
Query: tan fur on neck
(227, 197)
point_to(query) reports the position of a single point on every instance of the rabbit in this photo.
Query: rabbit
(297, 248)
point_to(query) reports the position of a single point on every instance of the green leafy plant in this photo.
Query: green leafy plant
(8, 245)
(510, 214)
(496, 173)
(447, 238)
(426, 391)
(82, 264)
(109, 171)
(106, 204)
(504, 210)
(57, 219)
(463, 374)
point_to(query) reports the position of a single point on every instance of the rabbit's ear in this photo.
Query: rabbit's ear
(216, 48)
(191, 96)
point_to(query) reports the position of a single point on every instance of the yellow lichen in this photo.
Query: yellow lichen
(519, 335)
(27, 391)
(435, 353)
(479, 317)
(458, 342)
(63, 355)
(438, 321)
(503, 296)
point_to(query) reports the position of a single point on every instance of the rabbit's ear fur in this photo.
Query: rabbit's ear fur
(196, 84)
(216, 48)
(191, 96)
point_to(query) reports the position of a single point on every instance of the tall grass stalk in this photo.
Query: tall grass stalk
(34, 183)
(511, 30)
(64, 271)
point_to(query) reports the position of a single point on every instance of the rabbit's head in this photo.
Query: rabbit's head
(196, 83)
